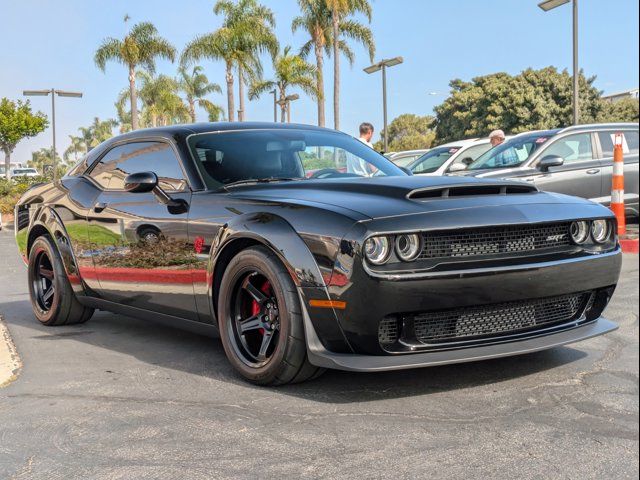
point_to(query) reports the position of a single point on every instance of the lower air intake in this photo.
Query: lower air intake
(498, 319)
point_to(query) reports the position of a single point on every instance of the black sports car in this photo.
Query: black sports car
(305, 249)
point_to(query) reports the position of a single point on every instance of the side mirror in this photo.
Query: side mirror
(457, 167)
(406, 170)
(550, 161)
(141, 182)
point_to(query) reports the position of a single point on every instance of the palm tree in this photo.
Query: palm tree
(289, 71)
(316, 20)
(196, 86)
(141, 46)
(76, 147)
(342, 25)
(252, 24)
(152, 92)
(215, 112)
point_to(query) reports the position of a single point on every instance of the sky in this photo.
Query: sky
(51, 44)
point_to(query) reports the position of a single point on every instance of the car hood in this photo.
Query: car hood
(380, 197)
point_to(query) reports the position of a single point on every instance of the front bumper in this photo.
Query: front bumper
(321, 357)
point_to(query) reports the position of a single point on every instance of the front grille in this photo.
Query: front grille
(489, 241)
(498, 319)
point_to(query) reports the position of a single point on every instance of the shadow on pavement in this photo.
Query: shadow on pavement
(179, 350)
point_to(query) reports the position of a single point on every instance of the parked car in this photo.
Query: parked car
(576, 160)
(24, 172)
(361, 273)
(449, 157)
(404, 158)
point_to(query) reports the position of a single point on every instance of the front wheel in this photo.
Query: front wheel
(260, 320)
(52, 298)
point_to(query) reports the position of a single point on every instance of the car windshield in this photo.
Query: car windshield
(226, 158)
(22, 171)
(433, 159)
(512, 153)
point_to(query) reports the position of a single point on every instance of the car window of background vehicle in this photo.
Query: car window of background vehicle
(573, 148)
(432, 160)
(509, 154)
(607, 141)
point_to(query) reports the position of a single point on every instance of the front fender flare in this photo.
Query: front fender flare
(278, 235)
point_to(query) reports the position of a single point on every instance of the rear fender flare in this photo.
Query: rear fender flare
(46, 219)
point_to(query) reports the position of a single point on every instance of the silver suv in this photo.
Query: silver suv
(575, 160)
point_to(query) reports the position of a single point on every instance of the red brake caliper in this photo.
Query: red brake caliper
(255, 307)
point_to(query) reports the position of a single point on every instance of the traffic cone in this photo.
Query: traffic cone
(617, 187)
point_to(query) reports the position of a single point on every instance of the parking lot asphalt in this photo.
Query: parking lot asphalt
(120, 398)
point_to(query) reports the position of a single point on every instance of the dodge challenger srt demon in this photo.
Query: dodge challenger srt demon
(304, 249)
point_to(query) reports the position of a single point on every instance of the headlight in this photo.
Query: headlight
(408, 246)
(579, 231)
(600, 230)
(377, 249)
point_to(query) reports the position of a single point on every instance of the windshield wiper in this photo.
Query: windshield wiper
(260, 180)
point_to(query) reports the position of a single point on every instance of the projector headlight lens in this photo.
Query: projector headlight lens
(377, 249)
(579, 231)
(408, 246)
(600, 230)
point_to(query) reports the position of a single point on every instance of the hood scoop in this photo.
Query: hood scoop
(470, 190)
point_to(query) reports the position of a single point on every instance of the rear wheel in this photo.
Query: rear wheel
(260, 320)
(52, 298)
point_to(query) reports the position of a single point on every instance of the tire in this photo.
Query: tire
(258, 304)
(52, 298)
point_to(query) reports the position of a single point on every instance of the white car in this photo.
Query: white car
(403, 159)
(24, 172)
(450, 157)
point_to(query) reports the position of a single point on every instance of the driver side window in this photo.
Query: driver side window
(574, 148)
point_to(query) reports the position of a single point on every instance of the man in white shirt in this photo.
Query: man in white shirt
(357, 165)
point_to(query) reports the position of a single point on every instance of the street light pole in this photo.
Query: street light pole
(382, 65)
(53, 92)
(576, 73)
(275, 105)
(547, 5)
(384, 106)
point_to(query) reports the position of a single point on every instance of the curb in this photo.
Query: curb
(10, 363)
(629, 245)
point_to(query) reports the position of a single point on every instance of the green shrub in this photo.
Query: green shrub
(12, 190)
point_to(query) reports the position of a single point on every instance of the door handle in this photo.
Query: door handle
(593, 171)
(100, 206)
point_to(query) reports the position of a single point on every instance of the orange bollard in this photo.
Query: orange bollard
(617, 187)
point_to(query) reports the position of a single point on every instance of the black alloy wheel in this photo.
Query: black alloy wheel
(53, 300)
(260, 320)
(256, 320)
(43, 281)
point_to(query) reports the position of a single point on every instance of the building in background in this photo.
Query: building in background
(614, 97)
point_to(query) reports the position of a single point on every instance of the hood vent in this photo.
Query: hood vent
(470, 190)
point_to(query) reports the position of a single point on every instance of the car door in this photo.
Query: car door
(580, 175)
(140, 245)
(630, 155)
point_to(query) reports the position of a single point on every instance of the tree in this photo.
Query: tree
(252, 24)
(409, 132)
(75, 148)
(532, 100)
(141, 46)
(42, 158)
(316, 21)
(625, 110)
(97, 132)
(289, 71)
(341, 10)
(195, 85)
(17, 122)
